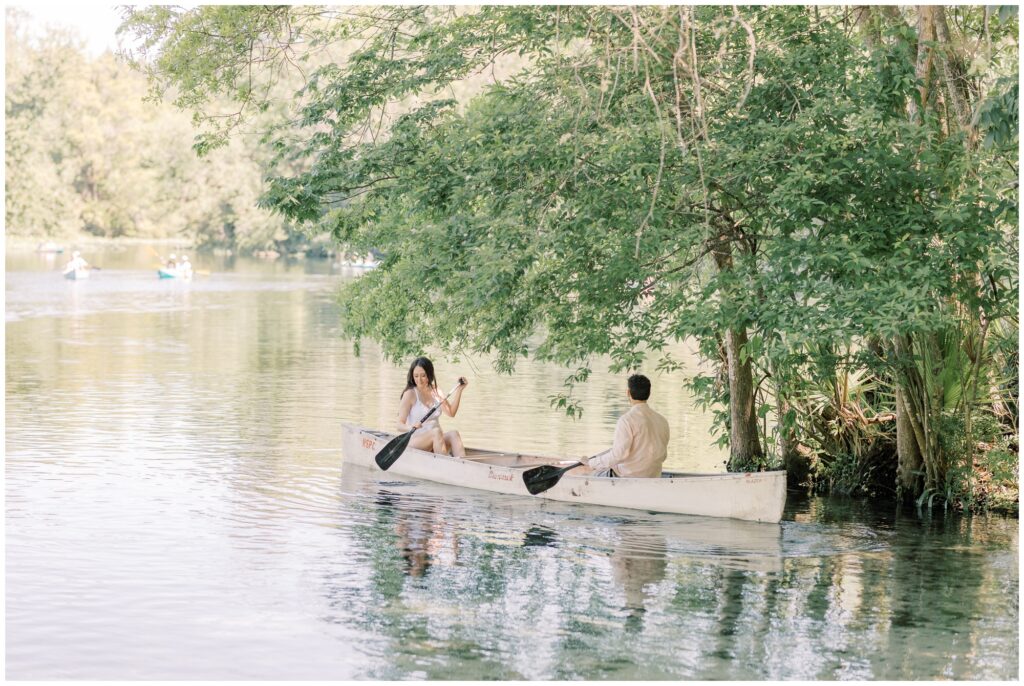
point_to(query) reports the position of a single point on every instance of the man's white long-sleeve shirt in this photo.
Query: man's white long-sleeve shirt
(640, 445)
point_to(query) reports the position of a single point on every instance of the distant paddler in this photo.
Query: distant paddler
(176, 268)
(77, 267)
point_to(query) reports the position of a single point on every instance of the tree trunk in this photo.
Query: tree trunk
(923, 70)
(920, 393)
(869, 28)
(952, 72)
(909, 460)
(744, 443)
(795, 463)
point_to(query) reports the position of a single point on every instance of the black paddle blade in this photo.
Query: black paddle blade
(540, 479)
(393, 450)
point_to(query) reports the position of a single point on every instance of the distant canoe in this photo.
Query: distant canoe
(752, 496)
(77, 274)
(347, 264)
(164, 273)
(50, 247)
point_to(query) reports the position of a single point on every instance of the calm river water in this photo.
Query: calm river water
(176, 508)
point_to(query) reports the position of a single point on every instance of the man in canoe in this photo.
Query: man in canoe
(640, 445)
(418, 398)
(75, 263)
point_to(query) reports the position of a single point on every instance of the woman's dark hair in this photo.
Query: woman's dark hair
(639, 386)
(428, 367)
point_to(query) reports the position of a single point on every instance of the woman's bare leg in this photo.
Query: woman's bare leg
(422, 441)
(440, 446)
(455, 441)
(432, 441)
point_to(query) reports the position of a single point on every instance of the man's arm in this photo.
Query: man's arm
(620, 447)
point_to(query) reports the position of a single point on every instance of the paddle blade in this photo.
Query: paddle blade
(393, 450)
(540, 479)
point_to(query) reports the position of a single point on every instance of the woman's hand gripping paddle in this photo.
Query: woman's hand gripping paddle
(397, 445)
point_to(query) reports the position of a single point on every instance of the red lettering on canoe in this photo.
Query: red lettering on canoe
(499, 477)
(369, 443)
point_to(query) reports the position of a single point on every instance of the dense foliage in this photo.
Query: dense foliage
(824, 198)
(86, 153)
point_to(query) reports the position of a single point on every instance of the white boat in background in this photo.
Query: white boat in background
(77, 274)
(366, 262)
(751, 496)
(50, 247)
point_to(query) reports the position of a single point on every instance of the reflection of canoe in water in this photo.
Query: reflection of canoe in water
(165, 273)
(754, 496)
(77, 274)
(519, 522)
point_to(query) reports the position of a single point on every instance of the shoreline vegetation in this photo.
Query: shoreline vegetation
(27, 242)
(824, 198)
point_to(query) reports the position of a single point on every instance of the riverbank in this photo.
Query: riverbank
(80, 241)
(317, 247)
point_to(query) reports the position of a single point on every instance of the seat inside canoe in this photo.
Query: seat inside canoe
(507, 459)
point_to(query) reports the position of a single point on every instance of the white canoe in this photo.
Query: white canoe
(346, 264)
(77, 274)
(753, 496)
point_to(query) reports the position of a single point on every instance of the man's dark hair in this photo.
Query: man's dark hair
(639, 387)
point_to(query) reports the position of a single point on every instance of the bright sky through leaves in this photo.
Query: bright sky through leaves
(95, 23)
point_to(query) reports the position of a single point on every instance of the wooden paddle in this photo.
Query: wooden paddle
(397, 445)
(540, 479)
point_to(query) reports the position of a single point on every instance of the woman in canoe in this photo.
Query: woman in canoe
(418, 398)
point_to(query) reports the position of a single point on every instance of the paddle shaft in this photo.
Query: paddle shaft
(437, 406)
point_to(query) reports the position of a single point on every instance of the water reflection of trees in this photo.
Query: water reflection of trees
(903, 610)
(474, 587)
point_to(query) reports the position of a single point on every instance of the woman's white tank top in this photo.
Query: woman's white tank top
(419, 411)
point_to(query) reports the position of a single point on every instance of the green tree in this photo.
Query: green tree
(87, 152)
(39, 173)
(764, 180)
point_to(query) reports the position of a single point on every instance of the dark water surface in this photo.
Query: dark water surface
(176, 508)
